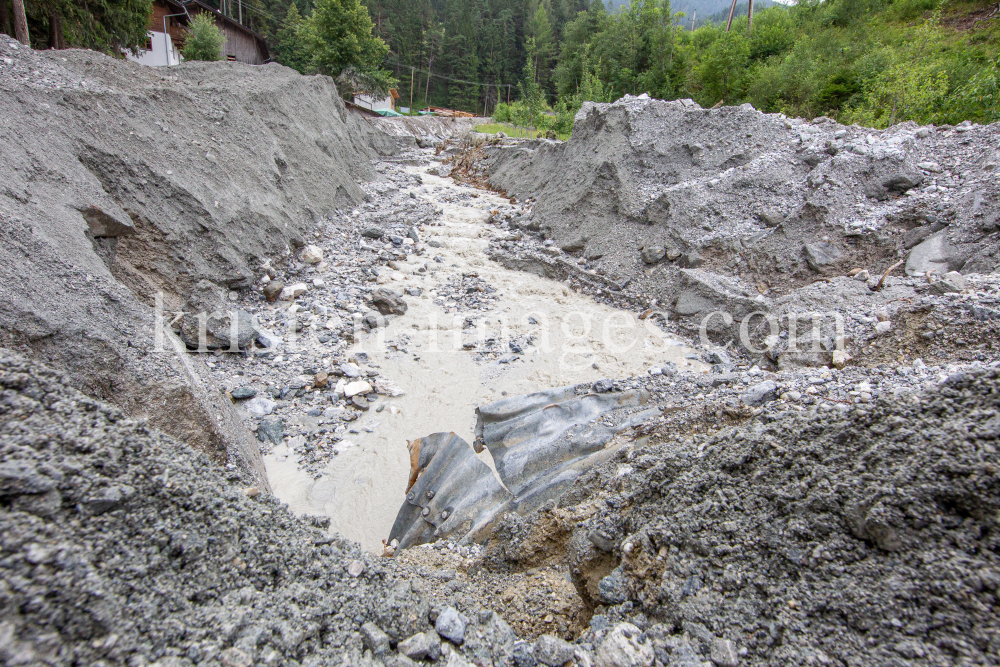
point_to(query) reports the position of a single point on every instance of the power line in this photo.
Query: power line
(447, 78)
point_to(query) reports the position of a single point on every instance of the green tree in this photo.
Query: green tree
(541, 32)
(204, 40)
(531, 92)
(724, 69)
(289, 47)
(110, 26)
(339, 35)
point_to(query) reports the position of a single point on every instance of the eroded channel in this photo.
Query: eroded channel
(434, 354)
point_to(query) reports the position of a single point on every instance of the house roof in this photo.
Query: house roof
(261, 41)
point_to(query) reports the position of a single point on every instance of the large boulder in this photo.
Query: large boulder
(209, 323)
(936, 253)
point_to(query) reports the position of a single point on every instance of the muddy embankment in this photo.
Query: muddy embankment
(688, 211)
(124, 187)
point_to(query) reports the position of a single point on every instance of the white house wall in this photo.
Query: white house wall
(368, 102)
(162, 54)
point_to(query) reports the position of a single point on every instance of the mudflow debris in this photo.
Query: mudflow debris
(234, 310)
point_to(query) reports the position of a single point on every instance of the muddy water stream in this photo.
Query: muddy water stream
(575, 340)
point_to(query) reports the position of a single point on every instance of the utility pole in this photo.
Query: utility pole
(427, 88)
(21, 23)
(412, 71)
(750, 18)
(241, 11)
(693, 17)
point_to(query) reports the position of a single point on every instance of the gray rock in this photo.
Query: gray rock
(414, 291)
(18, 477)
(451, 624)
(684, 655)
(611, 588)
(822, 256)
(770, 218)
(703, 293)
(373, 232)
(934, 254)
(412, 233)
(109, 498)
(625, 646)
(272, 430)
(690, 260)
(523, 655)
(219, 330)
(699, 632)
(360, 402)
(902, 182)
(398, 660)
(350, 370)
(421, 645)
(374, 639)
(603, 386)
(760, 393)
(653, 254)
(243, 393)
(723, 653)
(434, 243)
(388, 302)
(719, 357)
(553, 651)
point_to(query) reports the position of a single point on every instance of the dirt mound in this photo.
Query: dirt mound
(661, 198)
(126, 186)
(122, 545)
(842, 535)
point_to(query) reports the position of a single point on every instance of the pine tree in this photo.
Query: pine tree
(102, 25)
(290, 46)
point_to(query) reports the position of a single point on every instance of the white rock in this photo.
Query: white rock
(387, 387)
(267, 338)
(723, 653)
(840, 358)
(355, 388)
(333, 323)
(623, 648)
(930, 166)
(312, 254)
(956, 279)
(862, 276)
(338, 391)
(292, 291)
(259, 406)
(343, 446)
(883, 327)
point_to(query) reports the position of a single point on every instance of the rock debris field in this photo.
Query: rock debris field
(216, 375)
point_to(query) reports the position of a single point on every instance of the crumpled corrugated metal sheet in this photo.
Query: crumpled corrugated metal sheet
(538, 441)
(454, 493)
(540, 444)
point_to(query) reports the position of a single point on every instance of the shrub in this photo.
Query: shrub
(204, 40)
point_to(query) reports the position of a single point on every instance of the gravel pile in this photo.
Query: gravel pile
(665, 205)
(122, 545)
(851, 534)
